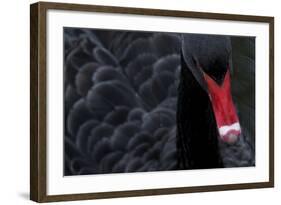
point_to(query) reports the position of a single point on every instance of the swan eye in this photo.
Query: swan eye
(215, 69)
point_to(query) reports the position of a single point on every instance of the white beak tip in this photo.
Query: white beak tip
(230, 133)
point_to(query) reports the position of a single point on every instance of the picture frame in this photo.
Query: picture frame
(42, 149)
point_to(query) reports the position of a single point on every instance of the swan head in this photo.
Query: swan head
(209, 59)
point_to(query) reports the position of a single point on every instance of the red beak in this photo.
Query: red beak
(223, 107)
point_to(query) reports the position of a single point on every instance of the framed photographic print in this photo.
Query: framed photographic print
(134, 102)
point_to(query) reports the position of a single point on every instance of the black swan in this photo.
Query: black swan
(142, 101)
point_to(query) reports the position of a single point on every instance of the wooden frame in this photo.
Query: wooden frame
(38, 97)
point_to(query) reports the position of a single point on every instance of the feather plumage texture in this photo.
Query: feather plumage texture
(121, 103)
